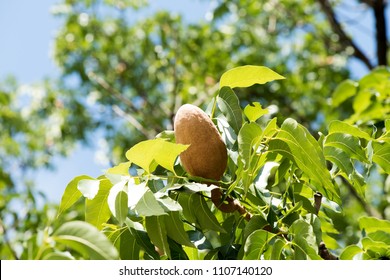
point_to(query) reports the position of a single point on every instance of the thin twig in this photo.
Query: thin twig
(147, 133)
(368, 208)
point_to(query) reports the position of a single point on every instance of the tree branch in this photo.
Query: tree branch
(324, 252)
(317, 202)
(367, 207)
(345, 40)
(381, 31)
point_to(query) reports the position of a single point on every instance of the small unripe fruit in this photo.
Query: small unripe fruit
(206, 156)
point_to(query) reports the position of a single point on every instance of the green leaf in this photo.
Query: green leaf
(296, 143)
(155, 227)
(142, 238)
(349, 144)
(344, 91)
(167, 135)
(343, 161)
(58, 256)
(350, 252)
(148, 154)
(169, 204)
(343, 127)
(71, 194)
(382, 155)
(85, 239)
(378, 248)
(125, 243)
(97, 211)
(128, 247)
(362, 101)
(340, 158)
(304, 241)
(196, 210)
(148, 206)
(121, 208)
(256, 244)
(371, 224)
(120, 169)
(277, 249)
(175, 229)
(249, 139)
(230, 106)
(253, 111)
(89, 188)
(205, 218)
(255, 223)
(185, 200)
(380, 236)
(246, 76)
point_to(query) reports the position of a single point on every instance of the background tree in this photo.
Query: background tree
(127, 78)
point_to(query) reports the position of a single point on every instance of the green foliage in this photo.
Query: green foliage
(127, 68)
(127, 79)
(277, 173)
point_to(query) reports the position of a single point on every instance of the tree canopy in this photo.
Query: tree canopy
(127, 78)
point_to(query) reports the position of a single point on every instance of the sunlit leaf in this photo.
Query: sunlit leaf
(148, 154)
(149, 206)
(246, 76)
(71, 193)
(120, 169)
(382, 155)
(169, 204)
(114, 191)
(230, 106)
(296, 143)
(58, 256)
(85, 239)
(97, 211)
(249, 139)
(340, 158)
(349, 144)
(253, 111)
(350, 252)
(344, 91)
(88, 187)
(371, 224)
(343, 127)
(121, 207)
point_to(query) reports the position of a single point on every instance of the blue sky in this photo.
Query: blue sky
(27, 30)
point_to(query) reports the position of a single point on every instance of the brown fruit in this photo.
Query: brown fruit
(206, 156)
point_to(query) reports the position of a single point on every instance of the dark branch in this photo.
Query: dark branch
(381, 35)
(345, 40)
(317, 201)
(324, 252)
